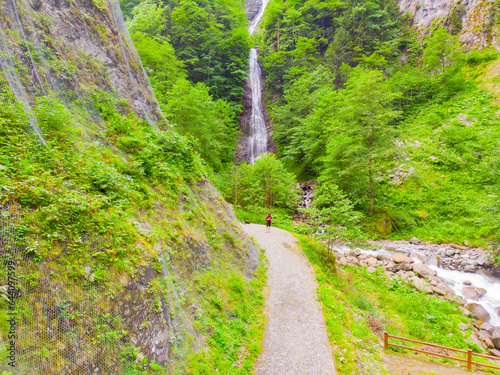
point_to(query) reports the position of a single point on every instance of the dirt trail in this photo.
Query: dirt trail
(295, 340)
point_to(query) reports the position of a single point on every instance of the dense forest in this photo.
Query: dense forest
(395, 119)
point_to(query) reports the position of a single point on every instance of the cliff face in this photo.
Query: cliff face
(139, 286)
(475, 21)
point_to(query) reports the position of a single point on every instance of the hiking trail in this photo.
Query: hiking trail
(295, 338)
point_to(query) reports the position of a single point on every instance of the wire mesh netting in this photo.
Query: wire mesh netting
(64, 325)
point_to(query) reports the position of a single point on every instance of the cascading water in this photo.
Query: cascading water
(257, 140)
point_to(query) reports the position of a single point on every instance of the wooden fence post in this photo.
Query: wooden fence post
(469, 360)
(386, 340)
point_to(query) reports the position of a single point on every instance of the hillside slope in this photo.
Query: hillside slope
(119, 257)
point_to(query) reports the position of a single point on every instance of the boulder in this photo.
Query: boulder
(471, 292)
(483, 335)
(342, 261)
(419, 256)
(478, 342)
(422, 270)
(495, 352)
(420, 284)
(470, 268)
(479, 312)
(383, 257)
(400, 258)
(450, 252)
(445, 289)
(372, 262)
(415, 241)
(495, 338)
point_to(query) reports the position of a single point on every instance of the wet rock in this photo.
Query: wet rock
(416, 255)
(400, 258)
(422, 270)
(473, 293)
(479, 312)
(467, 282)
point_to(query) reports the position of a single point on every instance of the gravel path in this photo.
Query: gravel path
(295, 339)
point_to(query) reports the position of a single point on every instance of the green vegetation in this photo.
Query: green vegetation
(196, 56)
(93, 215)
(394, 119)
(360, 306)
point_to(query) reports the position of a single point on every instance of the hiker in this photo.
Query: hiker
(268, 222)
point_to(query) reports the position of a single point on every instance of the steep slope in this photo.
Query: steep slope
(118, 256)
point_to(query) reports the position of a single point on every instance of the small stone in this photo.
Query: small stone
(450, 252)
(371, 269)
(342, 261)
(467, 282)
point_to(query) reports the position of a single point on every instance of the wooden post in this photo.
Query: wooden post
(469, 360)
(386, 340)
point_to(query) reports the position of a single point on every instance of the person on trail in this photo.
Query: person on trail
(268, 222)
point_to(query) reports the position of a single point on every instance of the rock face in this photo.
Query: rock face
(473, 21)
(479, 312)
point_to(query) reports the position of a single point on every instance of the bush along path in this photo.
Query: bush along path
(295, 339)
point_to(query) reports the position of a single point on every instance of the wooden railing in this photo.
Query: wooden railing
(469, 352)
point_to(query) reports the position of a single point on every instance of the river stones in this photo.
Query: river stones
(420, 284)
(415, 241)
(383, 257)
(416, 255)
(479, 312)
(422, 270)
(371, 262)
(471, 292)
(400, 258)
(443, 289)
(495, 338)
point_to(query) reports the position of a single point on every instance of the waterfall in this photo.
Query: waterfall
(257, 140)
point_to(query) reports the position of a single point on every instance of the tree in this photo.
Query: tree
(332, 213)
(361, 129)
(442, 53)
